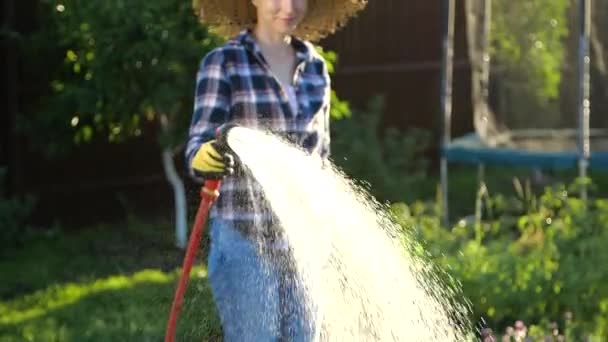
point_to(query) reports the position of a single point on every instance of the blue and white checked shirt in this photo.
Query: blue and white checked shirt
(235, 84)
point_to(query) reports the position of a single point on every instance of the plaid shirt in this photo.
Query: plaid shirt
(235, 84)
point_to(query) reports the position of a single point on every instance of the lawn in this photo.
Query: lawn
(104, 283)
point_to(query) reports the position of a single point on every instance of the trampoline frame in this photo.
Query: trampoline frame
(449, 152)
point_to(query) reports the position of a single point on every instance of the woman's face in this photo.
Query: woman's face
(281, 16)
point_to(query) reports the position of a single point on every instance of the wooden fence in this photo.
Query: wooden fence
(393, 48)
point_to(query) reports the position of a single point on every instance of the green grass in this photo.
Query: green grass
(106, 283)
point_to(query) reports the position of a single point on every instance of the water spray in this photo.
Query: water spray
(387, 293)
(209, 193)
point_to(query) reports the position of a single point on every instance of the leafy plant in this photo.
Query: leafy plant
(118, 69)
(533, 263)
(529, 52)
(389, 161)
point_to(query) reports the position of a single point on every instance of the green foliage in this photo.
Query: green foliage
(529, 51)
(528, 41)
(118, 67)
(106, 283)
(339, 109)
(390, 161)
(14, 213)
(535, 263)
(387, 161)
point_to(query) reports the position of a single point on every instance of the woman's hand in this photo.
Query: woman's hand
(211, 163)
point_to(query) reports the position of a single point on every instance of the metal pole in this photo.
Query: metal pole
(584, 147)
(485, 63)
(485, 74)
(481, 175)
(446, 98)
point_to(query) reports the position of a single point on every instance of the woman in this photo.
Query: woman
(268, 75)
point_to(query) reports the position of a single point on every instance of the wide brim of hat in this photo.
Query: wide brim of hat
(228, 17)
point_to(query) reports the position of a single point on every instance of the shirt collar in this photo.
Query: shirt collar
(246, 38)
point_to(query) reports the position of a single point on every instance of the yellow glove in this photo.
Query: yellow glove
(212, 163)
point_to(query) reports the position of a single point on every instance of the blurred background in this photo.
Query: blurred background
(96, 103)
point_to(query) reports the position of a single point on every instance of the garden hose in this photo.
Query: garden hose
(209, 193)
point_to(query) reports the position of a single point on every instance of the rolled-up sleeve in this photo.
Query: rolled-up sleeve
(211, 103)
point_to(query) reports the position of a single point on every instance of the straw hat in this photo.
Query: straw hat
(324, 17)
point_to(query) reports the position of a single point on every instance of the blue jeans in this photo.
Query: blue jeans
(257, 297)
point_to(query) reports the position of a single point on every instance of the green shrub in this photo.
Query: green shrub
(537, 260)
(389, 161)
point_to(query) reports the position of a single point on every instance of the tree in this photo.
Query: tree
(529, 51)
(124, 63)
(119, 65)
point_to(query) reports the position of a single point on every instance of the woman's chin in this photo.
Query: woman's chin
(286, 29)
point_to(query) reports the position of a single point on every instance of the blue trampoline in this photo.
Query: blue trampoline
(530, 89)
(472, 149)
